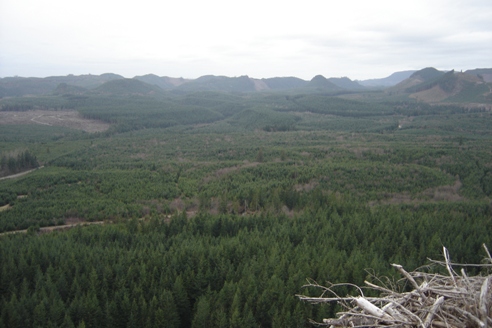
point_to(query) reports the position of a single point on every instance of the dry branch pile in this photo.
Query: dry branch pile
(441, 301)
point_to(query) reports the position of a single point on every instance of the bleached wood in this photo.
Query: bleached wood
(372, 309)
(448, 263)
(437, 301)
(390, 308)
(484, 301)
(465, 277)
(376, 287)
(470, 316)
(433, 310)
(409, 278)
(488, 253)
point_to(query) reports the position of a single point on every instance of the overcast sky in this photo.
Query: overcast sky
(261, 38)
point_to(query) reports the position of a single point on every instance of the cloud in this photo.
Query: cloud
(359, 39)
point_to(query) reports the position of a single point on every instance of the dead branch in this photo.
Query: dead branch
(437, 301)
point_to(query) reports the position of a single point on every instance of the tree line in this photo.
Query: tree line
(11, 164)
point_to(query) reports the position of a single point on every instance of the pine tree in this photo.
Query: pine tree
(182, 302)
(259, 156)
(202, 313)
(171, 315)
(67, 322)
(40, 315)
(220, 319)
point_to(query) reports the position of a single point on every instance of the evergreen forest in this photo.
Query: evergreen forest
(212, 208)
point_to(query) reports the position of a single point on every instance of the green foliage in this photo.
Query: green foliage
(10, 164)
(218, 206)
(428, 73)
(329, 105)
(221, 270)
(18, 135)
(50, 195)
(472, 93)
(141, 112)
(264, 119)
(126, 87)
(30, 103)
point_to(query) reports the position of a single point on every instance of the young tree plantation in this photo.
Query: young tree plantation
(218, 200)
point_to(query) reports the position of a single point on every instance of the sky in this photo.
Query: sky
(359, 39)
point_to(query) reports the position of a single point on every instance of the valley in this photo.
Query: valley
(225, 194)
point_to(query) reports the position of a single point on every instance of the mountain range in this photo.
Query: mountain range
(428, 85)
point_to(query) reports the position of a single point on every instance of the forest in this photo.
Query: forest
(215, 207)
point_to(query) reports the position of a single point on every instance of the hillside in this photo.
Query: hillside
(67, 89)
(386, 82)
(163, 82)
(484, 73)
(218, 83)
(428, 85)
(427, 74)
(432, 86)
(345, 83)
(126, 87)
(418, 81)
(284, 83)
(320, 83)
(20, 86)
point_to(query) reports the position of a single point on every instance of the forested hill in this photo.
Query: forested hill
(432, 86)
(20, 86)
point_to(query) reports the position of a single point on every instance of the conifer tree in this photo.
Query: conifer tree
(202, 314)
(182, 302)
(171, 315)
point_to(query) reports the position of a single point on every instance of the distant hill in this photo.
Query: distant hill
(219, 83)
(126, 87)
(428, 84)
(484, 73)
(67, 89)
(431, 85)
(163, 82)
(247, 84)
(417, 80)
(88, 81)
(284, 83)
(389, 81)
(319, 82)
(454, 87)
(21, 86)
(345, 83)
(427, 74)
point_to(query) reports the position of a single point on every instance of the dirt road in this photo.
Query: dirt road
(13, 176)
(53, 228)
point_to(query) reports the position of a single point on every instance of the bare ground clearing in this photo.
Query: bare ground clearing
(65, 118)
